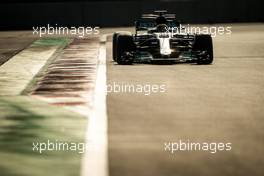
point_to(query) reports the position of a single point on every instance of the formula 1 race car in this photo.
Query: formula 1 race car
(157, 38)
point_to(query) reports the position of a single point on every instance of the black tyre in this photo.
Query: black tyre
(114, 41)
(204, 47)
(125, 46)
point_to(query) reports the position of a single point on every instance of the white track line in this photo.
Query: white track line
(95, 161)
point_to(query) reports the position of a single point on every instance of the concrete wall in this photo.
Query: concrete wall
(14, 15)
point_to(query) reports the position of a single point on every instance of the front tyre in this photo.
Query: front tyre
(125, 47)
(203, 45)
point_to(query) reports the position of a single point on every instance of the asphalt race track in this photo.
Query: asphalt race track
(52, 89)
(222, 102)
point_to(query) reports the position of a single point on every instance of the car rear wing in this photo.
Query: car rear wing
(145, 24)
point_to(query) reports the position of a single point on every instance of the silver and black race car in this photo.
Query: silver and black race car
(157, 38)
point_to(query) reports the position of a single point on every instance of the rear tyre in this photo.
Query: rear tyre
(203, 45)
(125, 48)
(114, 41)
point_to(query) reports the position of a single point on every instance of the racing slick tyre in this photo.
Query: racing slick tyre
(204, 46)
(114, 41)
(125, 47)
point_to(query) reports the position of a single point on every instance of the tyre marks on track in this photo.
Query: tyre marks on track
(70, 79)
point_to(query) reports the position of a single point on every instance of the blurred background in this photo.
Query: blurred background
(23, 14)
